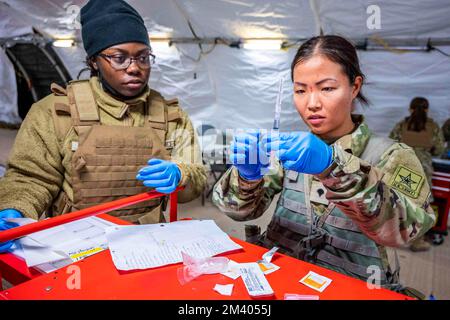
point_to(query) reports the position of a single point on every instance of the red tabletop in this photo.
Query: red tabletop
(99, 279)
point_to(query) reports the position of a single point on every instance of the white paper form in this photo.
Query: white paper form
(151, 246)
(33, 252)
(59, 246)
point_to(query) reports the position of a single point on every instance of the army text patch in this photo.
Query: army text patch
(407, 181)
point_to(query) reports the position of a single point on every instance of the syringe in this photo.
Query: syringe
(276, 120)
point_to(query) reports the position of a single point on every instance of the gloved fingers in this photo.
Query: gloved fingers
(5, 246)
(237, 158)
(10, 213)
(156, 175)
(293, 153)
(5, 225)
(239, 147)
(281, 154)
(296, 143)
(161, 167)
(290, 165)
(295, 160)
(268, 143)
(168, 189)
(160, 182)
(285, 136)
(270, 138)
(271, 146)
(246, 138)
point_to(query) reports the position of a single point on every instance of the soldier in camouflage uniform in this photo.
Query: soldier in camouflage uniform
(345, 193)
(446, 132)
(89, 143)
(428, 141)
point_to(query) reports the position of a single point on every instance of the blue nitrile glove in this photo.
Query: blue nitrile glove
(248, 156)
(301, 151)
(162, 175)
(5, 225)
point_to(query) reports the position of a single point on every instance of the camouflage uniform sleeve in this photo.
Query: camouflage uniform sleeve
(35, 172)
(438, 141)
(396, 132)
(245, 200)
(389, 201)
(186, 154)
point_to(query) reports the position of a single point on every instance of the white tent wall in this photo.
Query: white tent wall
(10, 23)
(236, 88)
(393, 79)
(398, 18)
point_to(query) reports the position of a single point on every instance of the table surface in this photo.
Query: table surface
(99, 279)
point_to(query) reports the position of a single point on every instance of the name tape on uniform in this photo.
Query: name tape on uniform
(315, 281)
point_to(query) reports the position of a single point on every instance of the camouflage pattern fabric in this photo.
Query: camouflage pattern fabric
(446, 132)
(424, 154)
(389, 201)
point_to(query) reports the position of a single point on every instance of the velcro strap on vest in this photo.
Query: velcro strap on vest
(110, 160)
(293, 205)
(107, 176)
(85, 102)
(291, 175)
(157, 113)
(342, 263)
(342, 223)
(297, 186)
(62, 108)
(296, 227)
(171, 102)
(333, 241)
(57, 89)
(173, 114)
(280, 240)
(112, 192)
(352, 246)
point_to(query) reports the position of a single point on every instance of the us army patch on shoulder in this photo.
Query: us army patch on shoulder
(407, 181)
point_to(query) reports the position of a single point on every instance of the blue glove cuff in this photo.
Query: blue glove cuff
(10, 213)
(250, 177)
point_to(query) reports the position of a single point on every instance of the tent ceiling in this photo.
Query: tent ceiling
(257, 18)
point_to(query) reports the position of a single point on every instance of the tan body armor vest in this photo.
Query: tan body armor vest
(415, 139)
(106, 158)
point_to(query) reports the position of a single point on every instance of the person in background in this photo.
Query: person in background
(104, 138)
(422, 134)
(345, 193)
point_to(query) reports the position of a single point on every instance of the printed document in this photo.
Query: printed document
(155, 245)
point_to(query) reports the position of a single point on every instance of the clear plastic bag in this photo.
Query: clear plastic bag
(194, 267)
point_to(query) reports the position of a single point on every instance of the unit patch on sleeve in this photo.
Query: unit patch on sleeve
(407, 181)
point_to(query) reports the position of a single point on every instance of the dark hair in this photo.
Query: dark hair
(338, 50)
(418, 118)
(89, 67)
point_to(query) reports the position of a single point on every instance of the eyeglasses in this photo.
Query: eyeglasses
(122, 62)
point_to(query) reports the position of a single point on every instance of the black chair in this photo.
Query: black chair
(214, 154)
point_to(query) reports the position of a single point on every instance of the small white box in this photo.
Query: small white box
(254, 279)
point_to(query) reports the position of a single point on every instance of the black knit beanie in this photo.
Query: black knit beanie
(105, 23)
